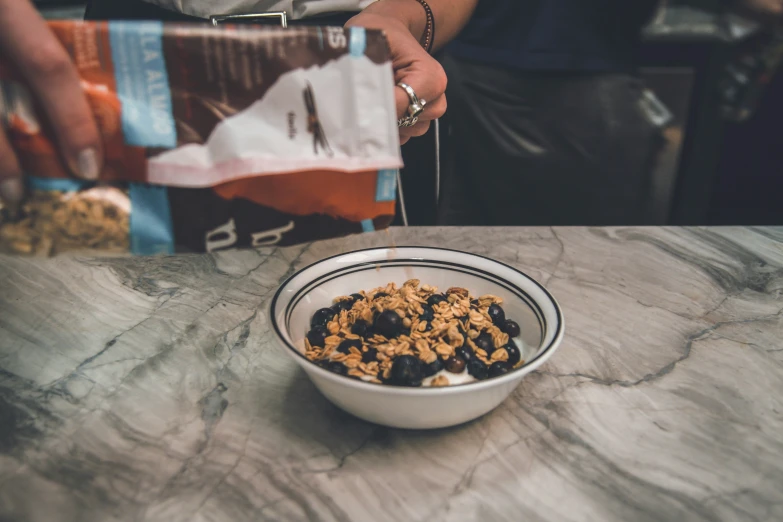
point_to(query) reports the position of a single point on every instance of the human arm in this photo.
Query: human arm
(405, 22)
(450, 16)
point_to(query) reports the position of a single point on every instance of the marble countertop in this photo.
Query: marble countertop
(148, 389)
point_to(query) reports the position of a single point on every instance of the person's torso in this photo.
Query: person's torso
(569, 35)
(296, 9)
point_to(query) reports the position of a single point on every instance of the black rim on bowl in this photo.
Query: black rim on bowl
(417, 262)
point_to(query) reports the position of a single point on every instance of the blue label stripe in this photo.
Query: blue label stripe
(151, 229)
(386, 187)
(57, 184)
(368, 225)
(358, 41)
(142, 84)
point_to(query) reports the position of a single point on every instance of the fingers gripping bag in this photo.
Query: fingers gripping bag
(214, 138)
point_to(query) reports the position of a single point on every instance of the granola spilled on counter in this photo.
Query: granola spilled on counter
(53, 222)
(414, 336)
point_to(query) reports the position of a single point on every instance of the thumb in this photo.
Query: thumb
(54, 79)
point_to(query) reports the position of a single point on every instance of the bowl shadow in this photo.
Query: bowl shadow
(312, 418)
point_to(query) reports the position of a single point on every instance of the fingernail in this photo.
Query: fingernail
(12, 190)
(88, 164)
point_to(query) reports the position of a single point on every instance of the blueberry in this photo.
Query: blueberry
(455, 364)
(345, 346)
(499, 368)
(497, 314)
(428, 314)
(466, 352)
(433, 367)
(511, 328)
(339, 306)
(407, 370)
(514, 355)
(322, 317)
(405, 331)
(370, 355)
(388, 324)
(379, 295)
(317, 336)
(357, 297)
(434, 299)
(337, 367)
(478, 369)
(485, 342)
(366, 330)
(360, 328)
(428, 326)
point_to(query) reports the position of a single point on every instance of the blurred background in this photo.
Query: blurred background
(722, 159)
(719, 94)
(61, 8)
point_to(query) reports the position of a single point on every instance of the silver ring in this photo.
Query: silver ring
(410, 121)
(416, 106)
(407, 121)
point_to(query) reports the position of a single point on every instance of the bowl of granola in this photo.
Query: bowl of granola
(415, 337)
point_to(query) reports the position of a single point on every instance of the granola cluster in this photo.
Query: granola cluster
(52, 222)
(413, 336)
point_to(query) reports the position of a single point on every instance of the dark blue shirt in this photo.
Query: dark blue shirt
(555, 35)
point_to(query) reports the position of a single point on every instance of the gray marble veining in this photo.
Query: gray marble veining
(148, 389)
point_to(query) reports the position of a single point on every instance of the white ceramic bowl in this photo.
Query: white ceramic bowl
(314, 287)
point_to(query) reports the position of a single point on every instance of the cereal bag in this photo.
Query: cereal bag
(214, 138)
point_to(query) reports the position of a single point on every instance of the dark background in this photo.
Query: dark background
(713, 172)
